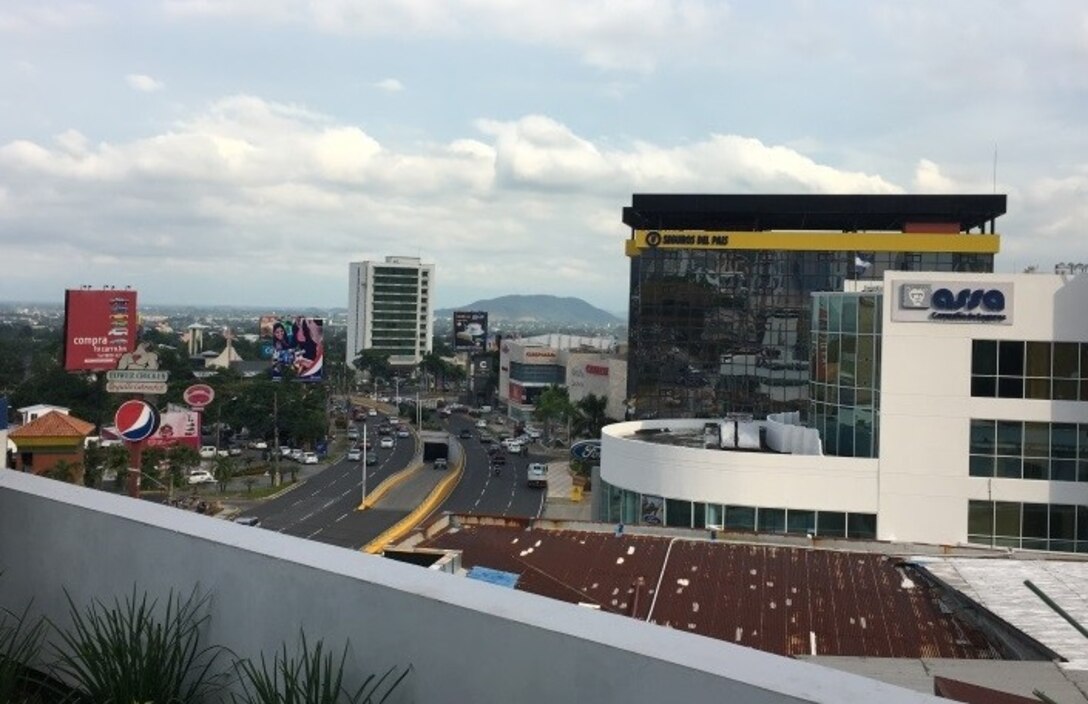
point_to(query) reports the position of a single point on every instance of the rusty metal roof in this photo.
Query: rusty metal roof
(785, 600)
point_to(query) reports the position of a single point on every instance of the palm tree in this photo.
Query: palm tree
(591, 415)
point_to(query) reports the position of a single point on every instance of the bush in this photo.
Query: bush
(20, 643)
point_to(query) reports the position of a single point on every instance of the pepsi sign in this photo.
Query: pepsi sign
(586, 450)
(136, 420)
(954, 303)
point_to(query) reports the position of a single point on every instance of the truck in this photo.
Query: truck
(537, 475)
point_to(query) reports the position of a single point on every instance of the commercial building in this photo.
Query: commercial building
(946, 409)
(583, 365)
(390, 309)
(721, 285)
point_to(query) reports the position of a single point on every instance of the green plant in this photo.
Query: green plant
(313, 677)
(128, 652)
(20, 643)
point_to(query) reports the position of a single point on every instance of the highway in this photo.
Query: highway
(480, 491)
(323, 507)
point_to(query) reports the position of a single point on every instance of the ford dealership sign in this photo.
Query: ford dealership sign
(586, 450)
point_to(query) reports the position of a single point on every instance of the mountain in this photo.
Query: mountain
(540, 308)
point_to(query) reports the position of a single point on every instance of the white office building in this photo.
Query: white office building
(390, 309)
(946, 408)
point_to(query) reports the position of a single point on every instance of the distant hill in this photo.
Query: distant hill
(540, 308)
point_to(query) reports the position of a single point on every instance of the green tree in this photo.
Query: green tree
(553, 405)
(224, 471)
(374, 363)
(182, 459)
(64, 471)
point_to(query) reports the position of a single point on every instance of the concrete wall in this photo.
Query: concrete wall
(466, 641)
(722, 476)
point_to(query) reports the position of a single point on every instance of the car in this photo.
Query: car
(201, 476)
(486, 439)
(355, 454)
(207, 452)
(235, 451)
(371, 458)
(441, 463)
(386, 442)
(371, 412)
(295, 454)
(258, 445)
(285, 450)
(481, 423)
(533, 433)
(537, 474)
(353, 433)
(498, 459)
(465, 434)
(403, 433)
(248, 521)
(309, 458)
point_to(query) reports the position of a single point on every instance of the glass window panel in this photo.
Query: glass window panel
(1007, 518)
(1063, 470)
(868, 312)
(1036, 439)
(983, 435)
(1063, 520)
(849, 314)
(1010, 358)
(1082, 441)
(1064, 390)
(677, 513)
(1036, 388)
(1084, 360)
(861, 525)
(1038, 359)
(1036, 468)
(630, 506)
(1062, 546)
(1035, 521)
(714, 514)
(800, 522)
(772, 520)
(1009, 467)
(1035, 544)
(1063, 440)
(834, 314)
(1082, 522)
(1082, 471)
(982, 466)
(1010, 387)
(1010, 437)
(980, 517)
(831, 524)
(984, 386)
(984, 357)
(740, 517)
(1066, 358)
(1084, 390)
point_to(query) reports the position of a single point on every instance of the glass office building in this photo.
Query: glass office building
(721, 286)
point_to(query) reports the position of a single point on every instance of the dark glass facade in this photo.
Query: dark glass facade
(715, 331)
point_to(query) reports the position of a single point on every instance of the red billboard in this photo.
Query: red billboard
(99, 327)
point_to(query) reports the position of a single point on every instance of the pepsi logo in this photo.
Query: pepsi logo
(136, 420)
(198, 396)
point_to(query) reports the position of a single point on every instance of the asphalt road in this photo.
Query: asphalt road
(323, 507)
(480, 491)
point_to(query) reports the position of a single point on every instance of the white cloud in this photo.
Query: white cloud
(143, 83)
(390, 85)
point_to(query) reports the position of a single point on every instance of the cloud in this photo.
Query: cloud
(45, 16)
(390, 85)
(143, 83)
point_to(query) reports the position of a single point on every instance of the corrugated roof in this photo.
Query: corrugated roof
(53, 424)
(790, 601)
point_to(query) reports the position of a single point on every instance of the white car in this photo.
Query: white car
(309, 458)
(208, 452)
(372, 412)
(537, 475)
(386, 442)
(295, 454)
(355, 454)
(481, 423)
(533, 433)
(403, 433)
(201, 476)
(258, 445)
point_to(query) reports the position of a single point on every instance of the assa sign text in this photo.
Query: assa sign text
(954, 303)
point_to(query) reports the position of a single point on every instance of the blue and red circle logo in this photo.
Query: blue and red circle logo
(136, 420)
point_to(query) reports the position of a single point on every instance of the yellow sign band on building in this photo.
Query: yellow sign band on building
(813, 241)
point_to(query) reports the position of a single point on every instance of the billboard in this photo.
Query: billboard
(469, 330)
(99, 327)
(177, 428)
(293, 346)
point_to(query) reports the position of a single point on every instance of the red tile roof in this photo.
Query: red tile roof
(52, 425)
(782, 600)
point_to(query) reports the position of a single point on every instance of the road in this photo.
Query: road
(480, 491)
(323, 507)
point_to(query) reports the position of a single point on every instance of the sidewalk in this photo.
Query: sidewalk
(559, 505)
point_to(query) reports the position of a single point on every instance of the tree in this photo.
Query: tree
(590, 415)
(374, 362)
(182, 459)
(65, 471)
(552, 405)
(224, 471)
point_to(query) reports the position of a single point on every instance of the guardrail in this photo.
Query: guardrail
(407, 524)
(395, 479)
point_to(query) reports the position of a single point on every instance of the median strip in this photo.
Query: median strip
(393, 480)
(406, 525)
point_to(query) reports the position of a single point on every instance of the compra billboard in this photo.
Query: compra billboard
(294, 347)
(99, 327)
(469, 330)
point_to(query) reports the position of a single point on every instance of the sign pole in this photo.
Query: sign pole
(135, 459)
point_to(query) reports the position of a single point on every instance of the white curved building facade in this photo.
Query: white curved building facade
(981, 421)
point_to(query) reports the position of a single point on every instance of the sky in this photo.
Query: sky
(245, 151)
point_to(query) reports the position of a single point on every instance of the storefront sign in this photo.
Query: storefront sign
(954, 302)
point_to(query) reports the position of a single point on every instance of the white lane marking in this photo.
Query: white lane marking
(342, 517)
(314, 533)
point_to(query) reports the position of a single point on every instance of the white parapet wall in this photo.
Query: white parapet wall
(465, 641)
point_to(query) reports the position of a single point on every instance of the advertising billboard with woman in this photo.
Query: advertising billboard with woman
(294, 347)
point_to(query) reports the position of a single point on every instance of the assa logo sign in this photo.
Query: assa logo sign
(955, 303)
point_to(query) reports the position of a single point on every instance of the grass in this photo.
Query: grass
(20, 644)
(132, 651)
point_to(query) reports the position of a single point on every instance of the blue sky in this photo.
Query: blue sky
(244, 151)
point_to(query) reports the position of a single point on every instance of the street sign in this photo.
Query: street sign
(198, 396)
(137, 375)
(136, 420)
(136, 387)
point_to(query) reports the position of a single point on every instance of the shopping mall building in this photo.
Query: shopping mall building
(855, 393)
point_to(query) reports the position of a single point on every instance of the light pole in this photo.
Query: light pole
(396, 391)
(366, 454)
(276, 438)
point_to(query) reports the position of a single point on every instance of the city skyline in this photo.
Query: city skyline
(245, 152)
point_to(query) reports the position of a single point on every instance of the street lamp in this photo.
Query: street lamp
(366, 453)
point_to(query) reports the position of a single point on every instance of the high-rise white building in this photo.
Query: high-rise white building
(390, 309)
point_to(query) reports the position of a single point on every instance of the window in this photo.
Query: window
(772, 520)
(740, 517)
(831, 524)
(1055, 371)
(861, 525)
(801, 522)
